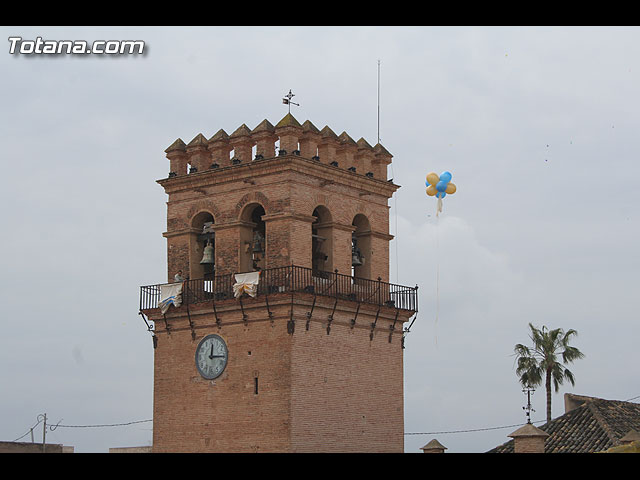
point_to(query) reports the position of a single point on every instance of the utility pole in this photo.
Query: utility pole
(43, 416)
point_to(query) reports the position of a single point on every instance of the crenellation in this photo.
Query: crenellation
(289, 131)
(364, 156)
(242, 143)
(177, 155)
(309, 140)
(304, 140)
(328, 145)
(265, 139)
(382, 158)
(220, 148)
(346, 152)
(198, 154)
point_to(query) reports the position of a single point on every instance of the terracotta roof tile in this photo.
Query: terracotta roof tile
(594, 426)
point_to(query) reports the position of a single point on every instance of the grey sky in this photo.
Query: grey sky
(538, 126)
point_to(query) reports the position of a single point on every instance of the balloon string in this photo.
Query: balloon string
(437, 281)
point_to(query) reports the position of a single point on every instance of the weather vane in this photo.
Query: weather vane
(287, 100)
(528, 390)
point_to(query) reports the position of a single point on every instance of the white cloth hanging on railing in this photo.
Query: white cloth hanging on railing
(246, 283)
(170, 294)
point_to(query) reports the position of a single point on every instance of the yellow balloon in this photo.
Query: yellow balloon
(433, 178)
(431, 190)
(451, 188)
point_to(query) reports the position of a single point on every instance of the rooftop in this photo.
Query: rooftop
(593, 425)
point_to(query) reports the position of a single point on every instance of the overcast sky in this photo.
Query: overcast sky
(538, 126)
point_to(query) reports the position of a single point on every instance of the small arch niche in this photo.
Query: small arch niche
(361, 247)
(202, 242)
(321, 242)
(252, 239)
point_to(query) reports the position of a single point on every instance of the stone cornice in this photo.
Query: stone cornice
(256, 168)
(285, 215)
(182, 231)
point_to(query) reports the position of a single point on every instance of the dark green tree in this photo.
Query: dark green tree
(546, 359)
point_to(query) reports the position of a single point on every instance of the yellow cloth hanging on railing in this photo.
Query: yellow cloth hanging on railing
(246, 283)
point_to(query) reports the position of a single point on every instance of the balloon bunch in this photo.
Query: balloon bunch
(439, 186)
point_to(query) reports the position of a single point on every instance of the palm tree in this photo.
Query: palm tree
(542, 359)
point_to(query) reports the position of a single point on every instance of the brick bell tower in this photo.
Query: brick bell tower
(284, 334)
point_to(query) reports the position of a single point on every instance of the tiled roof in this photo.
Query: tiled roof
(594, 426)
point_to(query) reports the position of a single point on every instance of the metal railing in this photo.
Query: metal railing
(290, 279)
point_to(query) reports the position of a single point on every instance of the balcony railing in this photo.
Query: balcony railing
(291, 279)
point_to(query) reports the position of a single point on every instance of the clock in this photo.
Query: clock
(211, 356)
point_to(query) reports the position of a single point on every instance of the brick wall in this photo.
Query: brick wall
(529, 445)
(334, 392)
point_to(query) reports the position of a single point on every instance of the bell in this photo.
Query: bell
(257, 243)
(356, 255)
(207, 258)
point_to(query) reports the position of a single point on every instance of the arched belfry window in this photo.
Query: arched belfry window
(321, 242)
(202, 264)
(252, 239)
(361, 247)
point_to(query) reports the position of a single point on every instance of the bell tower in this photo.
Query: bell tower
(282, 333)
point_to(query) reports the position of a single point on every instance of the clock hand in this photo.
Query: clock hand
(211, 354)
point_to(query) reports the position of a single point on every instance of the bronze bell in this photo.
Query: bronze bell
(257, 243)
(356, 254)
(207, 258)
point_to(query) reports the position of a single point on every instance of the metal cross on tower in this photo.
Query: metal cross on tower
(287, 100)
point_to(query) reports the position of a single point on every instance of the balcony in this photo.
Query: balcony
(293, 279)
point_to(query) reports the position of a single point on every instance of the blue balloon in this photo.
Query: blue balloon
(441, 195)
(445, 177)
(441, 186)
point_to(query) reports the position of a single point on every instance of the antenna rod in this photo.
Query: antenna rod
(378, 101)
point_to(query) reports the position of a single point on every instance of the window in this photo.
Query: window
(321, 242)
(202, 245)
(361, 247)
(252, 239)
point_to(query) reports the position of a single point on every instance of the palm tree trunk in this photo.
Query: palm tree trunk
(548, 387)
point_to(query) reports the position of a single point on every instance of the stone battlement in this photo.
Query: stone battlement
(245, 145)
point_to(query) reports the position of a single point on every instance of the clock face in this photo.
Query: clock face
(211, 356)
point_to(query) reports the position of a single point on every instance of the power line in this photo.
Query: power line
(99, 426)
(53, 427)
(29, 431)
(471, 430)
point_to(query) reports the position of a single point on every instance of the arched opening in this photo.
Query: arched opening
(361, 247)
(202, 245)
(321, 242)
(252, 239)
